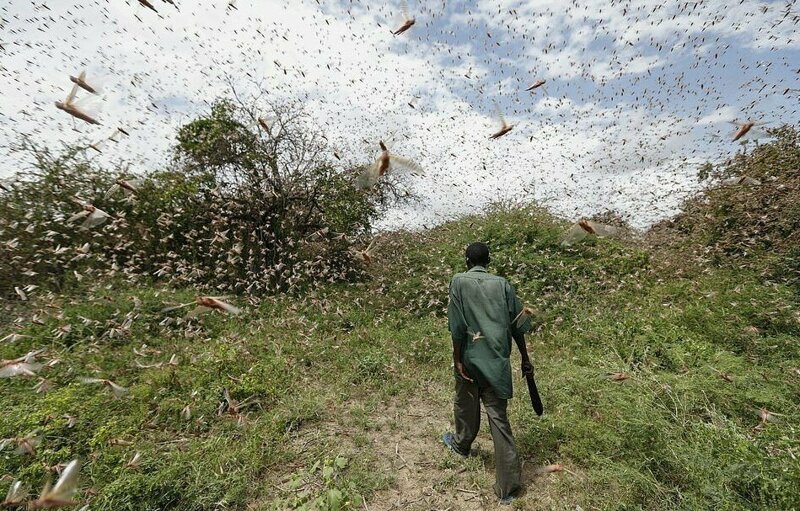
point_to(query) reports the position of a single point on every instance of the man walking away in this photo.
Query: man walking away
(481, 315)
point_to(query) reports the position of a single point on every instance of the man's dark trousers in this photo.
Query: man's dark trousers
(467, 410)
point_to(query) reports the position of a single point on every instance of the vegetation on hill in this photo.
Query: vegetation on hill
(662, 390)
(749, 217)
(247, 206)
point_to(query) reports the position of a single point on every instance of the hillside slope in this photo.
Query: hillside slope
(347, 389)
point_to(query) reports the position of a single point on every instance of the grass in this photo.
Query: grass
(323, 367)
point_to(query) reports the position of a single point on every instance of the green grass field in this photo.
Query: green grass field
(349, 386)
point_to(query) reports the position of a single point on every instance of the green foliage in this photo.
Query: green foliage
(218, 140)
(32, 220)
(705, 171)
(752, 224)
(674, 435)
(241, 208)
(343, 205)
(370, 367)
(333, 493)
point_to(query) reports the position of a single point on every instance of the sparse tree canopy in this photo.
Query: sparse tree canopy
(250, 203)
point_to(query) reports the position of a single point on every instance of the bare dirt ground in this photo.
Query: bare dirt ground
(404, 434)
(427, 476)
(402, 439)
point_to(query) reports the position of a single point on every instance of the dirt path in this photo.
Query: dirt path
(407, 436)
(403, 436)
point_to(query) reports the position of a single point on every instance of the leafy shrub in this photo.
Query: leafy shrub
(334, 492)
(245, 206)
(752, 224)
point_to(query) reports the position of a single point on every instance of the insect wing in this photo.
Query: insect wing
(117, 390)
(17, 494)
(71, 96)
(575, 234)
(602, 230)
(67, 484)
(402, 165)
(89, 105)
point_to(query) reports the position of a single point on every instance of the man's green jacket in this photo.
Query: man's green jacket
(481, 315)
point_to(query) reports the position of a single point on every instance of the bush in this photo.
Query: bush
(753, 224)
(245, 206)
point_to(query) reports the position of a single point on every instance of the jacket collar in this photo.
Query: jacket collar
(477, 268)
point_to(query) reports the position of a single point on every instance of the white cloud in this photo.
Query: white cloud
(600, 134)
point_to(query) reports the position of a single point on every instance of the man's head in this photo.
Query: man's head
(477, 254)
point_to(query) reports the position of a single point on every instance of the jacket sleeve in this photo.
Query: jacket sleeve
(519, 325)
(456, 322)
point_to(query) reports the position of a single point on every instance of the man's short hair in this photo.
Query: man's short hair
(478, 254)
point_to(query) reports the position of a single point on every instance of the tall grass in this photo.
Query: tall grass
(675, 435)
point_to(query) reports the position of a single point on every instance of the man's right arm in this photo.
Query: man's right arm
(458, 362)
(457, 325)
(519, 338)
(518, 329)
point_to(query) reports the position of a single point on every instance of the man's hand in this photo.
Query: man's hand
(462, 372)
(527, 367)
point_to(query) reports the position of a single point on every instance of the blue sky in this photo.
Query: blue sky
(634, 90)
